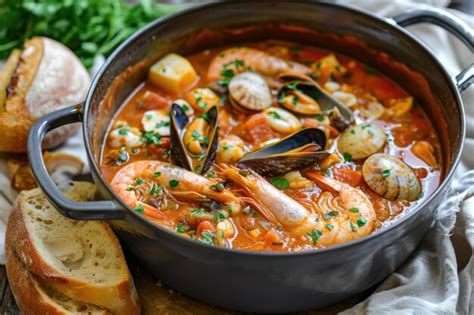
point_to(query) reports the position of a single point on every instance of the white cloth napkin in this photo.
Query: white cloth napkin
(438, 278)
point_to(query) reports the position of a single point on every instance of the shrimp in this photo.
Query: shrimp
(346, 213)
(244, 58)
(340, 215)
(140, 180)
(274, 205)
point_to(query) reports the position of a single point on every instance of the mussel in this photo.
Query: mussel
(193, 144)
(299, 150)
(302, 95)
(391, 178)
(249, 92)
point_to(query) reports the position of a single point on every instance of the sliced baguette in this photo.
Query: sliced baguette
(47, 77)
(81, 259)
(34, 297)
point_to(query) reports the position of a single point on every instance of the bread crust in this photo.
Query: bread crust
(47, 78)
(120, 298)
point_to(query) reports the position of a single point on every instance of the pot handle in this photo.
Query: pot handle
(94, 210)
(452, 24)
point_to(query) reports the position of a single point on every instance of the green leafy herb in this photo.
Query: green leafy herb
(197, 168)
(139, 209)
(211, 175)
(138, 181)
(197, 211)
(320, 118)
(361, 221)
(314, 235)
(219, 216)
(150, 137)
(123, 132)
(227, 147)
(274, 114)
(385, 173)
(347, 156)
(329, 226)
(294, 101)
(280, 182)
(163, 123)
(293, 85)
(354, 210)
(180, 228)
(87, 27)
(156, 174)
(353, 227)
(155, 190)
(173, 183)
(206, 238)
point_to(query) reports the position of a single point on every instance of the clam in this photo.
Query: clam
(391, 178)
(248, 91)
(298, 91)
(299, 150)
(361, 141)
(193, 143)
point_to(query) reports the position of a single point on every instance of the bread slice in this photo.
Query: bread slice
(81, 259)
(47, 77)
(35, 297)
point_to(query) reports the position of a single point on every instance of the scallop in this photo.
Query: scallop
(361, 141)
(249, 91)
(391, 178)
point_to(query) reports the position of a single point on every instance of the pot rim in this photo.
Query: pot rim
(202, 7)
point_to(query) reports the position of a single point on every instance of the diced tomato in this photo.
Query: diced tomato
(348, 176)
(152, 100)
(258, 130)
(165, 142)
(205, 226)
(272, 237)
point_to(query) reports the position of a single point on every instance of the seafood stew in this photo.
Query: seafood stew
(270, 146)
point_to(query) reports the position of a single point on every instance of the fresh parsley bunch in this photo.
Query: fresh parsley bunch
(87, 27)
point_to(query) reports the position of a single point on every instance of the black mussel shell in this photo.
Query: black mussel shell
(179, 154)
(297, 151)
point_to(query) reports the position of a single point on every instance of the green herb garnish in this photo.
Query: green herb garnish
(385, 173)
(314, 235)
(274, 114)
(180, 228)
(280, 182)
(173, 183)
(139, 209)
(347, 156)
(361, 221)
(354, 210)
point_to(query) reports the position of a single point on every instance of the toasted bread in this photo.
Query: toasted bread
(47, 77)
(81, 259)
(34, 297)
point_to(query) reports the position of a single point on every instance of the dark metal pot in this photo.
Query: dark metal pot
(266, 281)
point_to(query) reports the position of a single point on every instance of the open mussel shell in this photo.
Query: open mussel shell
(299, 150)
(180, 154)
(298, 83)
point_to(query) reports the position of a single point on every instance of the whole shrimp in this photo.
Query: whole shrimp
(343, 214)
(136, 181)
(244, 58)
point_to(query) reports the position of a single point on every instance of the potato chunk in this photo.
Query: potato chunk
(172, 73)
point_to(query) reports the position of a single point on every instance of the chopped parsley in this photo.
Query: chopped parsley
(197, 211)
(274, 114)
(320, 118)
(150, 137)
(385, 173)
(139, 209)
(329, 226)
(219, 216)
(211, 175)
(294, 101)
(204, 116)
(347, 156)
(361, 221)
(293, 85)
(162, 123)
(197, 168)
(280, 183)
(180, 228)
(156, 174)
(353, 131)
(173, 183)
(206, 238)
(353, 227)
(197, 137)
(123, 132)
(314, 235)
(138, 181)
(155, 190)
(354, 210)
(227, 147)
